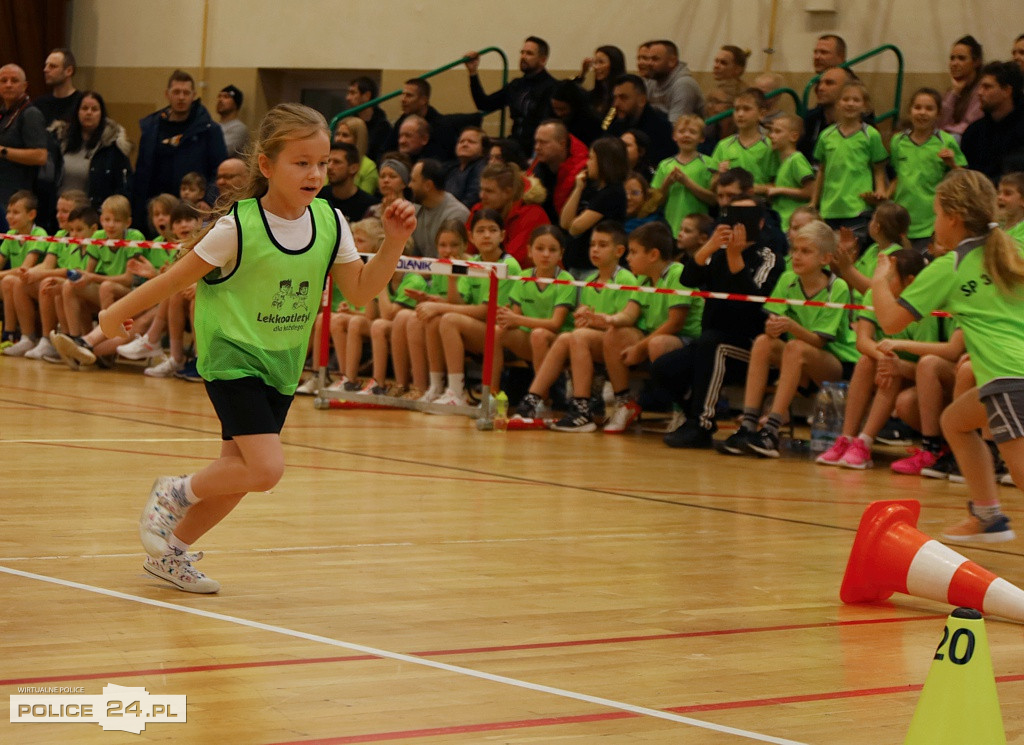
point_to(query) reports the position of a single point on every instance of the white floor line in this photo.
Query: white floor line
(110, 439)
(421, 661)
(384, 544)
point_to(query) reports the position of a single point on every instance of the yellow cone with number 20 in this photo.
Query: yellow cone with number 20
(959, 703)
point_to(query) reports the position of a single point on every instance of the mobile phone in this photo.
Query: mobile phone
(749, 216)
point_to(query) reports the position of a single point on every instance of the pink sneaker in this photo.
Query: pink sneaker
(857, 455)
(834, 454)
(913, 464)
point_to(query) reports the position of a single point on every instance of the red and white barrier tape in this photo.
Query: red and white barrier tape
(423, 265)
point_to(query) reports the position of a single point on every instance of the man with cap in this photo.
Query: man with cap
(236, 134)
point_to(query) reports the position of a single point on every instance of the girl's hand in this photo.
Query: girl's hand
(112, 328)
(581, 179)
(585, 66)
(426, 311)
(600, 321)
(506, 318)
(846, 249)
(140, 266)
(947, 157)
(399, 219)
(882, 268)
(582, 316)
(889, 346)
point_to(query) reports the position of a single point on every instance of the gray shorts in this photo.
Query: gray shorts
(1004, 404)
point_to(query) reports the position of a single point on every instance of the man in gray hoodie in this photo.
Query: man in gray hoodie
(671, 87)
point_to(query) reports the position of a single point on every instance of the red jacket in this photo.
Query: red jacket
(519, 224)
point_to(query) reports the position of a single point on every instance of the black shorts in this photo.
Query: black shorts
(247, 406)
(1004, 404)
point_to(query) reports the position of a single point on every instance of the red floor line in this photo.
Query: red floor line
(613, 715)
(466, 651)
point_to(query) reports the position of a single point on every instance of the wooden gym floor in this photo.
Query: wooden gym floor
(414, 580)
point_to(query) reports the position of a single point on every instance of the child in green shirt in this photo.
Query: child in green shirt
(809, 345)
(16, 259)
(748, 148)
(1010, 206)
(793, 184)
(684, 180)
(888, 229)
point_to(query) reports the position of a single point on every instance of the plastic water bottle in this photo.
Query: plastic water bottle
(823, 421)
(839, 391)
(501, 412)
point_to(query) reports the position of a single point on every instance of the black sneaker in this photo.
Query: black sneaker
(189, 372)
(897, 432)
(942, 468)
(764, 443)
(577, 419)
(691, 436)
(529, 406)
(738, 443)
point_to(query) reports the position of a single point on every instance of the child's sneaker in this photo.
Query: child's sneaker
(834, 455)
(176, 568)
(309, 388)
(372, 389)
(42, 350)
(412, 393)
(941, 468)
(21, 347)
(738, 443)
(165, 507)
(165, 369)
(857, 455)
(765, 443)
(918, 459)
(139, 348)
(431, 395)
(73, 350)
(621, 419)
(896, 432)
(190, 372)
(451, 398)
(976, 530)
(530, 406)
(577, 419)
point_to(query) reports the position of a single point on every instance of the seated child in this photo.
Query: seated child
(888, 229)
(390, 302)
(408, 337)
(193, 190)
(16, 258)
(1010, 205)
(651, 324)
(537, 312)
(887, 365)
(452, 328)
(806, 344)
(596, 306)
(641, 202)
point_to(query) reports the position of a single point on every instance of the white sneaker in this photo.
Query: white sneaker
(161, 514)
(42, 350)
(72, 350)
(452, 399)
(622, 418)
(139, 348)
(430, 396)
(165, 369)
(177, 569)
(310, 387)
(21, 347)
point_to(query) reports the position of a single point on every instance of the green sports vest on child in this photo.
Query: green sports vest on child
(928, 329)
(654, 307)
(918, 171)
(992, 322)
(608, 301)
(680, 201)
(17, 251)
(831, 324)
(255, 322)
(539, 300)
(794, 172)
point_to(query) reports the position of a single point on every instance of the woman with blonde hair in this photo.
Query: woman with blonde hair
(353, 130)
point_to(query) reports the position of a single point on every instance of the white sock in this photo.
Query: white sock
(189, 494)
(176, 545)
(987, 511)
(437, 381)
(457, 383)
(868, 439)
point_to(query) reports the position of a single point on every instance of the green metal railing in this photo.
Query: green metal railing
(462, 60)
(800, 109)
(892, 113)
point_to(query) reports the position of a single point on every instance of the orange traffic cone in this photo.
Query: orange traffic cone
(891, 555)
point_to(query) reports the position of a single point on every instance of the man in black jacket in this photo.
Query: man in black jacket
(632, 111)
(528, 98)
(732, 262)
(994, 144)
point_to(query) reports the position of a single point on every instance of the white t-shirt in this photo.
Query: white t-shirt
(220, 246)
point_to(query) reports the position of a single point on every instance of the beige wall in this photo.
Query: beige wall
(126, 48)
